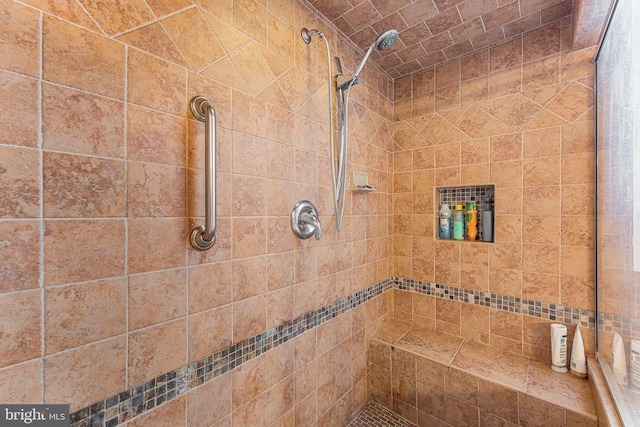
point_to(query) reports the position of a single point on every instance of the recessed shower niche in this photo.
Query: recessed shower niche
(484, 198)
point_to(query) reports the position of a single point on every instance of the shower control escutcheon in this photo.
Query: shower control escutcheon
(305, 221)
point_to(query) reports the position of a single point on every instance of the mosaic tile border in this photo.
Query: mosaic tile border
(131, 403)
(542, 310)
(625, 326)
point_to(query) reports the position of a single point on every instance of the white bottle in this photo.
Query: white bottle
(578, 359)
(619, 359)
(559, 347)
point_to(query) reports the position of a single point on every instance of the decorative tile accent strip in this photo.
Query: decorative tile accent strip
(625, 326)
(376, 415)
(129, 404)
(543, 310)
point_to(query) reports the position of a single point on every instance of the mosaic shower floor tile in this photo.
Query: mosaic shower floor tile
(376, 415)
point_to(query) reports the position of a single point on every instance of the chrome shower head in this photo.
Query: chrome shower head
(386, 40)
(306, 34)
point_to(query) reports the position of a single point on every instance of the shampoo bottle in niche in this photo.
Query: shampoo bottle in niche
(619, 359)
(487, 222)
(444, 223)
(559, 348)
(578, 359)
(472, 220)
(458, 223)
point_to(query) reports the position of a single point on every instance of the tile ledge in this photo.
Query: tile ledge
(575, 408)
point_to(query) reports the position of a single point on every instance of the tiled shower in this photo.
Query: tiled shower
(106, 307)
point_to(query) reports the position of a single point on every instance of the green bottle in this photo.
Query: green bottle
(458, 223)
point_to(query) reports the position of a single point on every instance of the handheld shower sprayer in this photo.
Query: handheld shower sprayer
(343, 84)
(384, 42)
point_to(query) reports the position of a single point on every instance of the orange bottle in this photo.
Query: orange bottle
(472, 221)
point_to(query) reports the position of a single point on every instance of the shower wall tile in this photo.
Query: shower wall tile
(173, 414)
(20, 181)
(156, 297)
(157, 84)
(71, 254)
(74, 121)
(20, 253)
(20, 122)
(21, 383)
(20, 50)
(531, 134)
(22, 330)
(80, 314)
(155, 137)
(153, 351)
(82, 187)
(103, 153)
(78, 58)
(155, 244)
(155, 190)
(67, 372)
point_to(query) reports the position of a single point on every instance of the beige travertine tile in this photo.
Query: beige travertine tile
(563, 390)
(82, 59)
(538, 413)
(66, 373)
(249, 16)
(79, 122)
(19, 182)
(209, 286)
(19, 51)
(210, 331)
(82, 187)
(156, 244)
(20, 253)
(156, 137)
(118, 16)
(155, 190)
(21, 331)
(66, 259)
(499, 400)
(19, 124)
(249, 317)
(21, 383)
(493, 364)
(434, 345)
(156, 297)
(154, 39)
(80, 314)
(157, 84)
(156, 350)
(202, 411)
(188, 26)
(173, 414)
(392, 332)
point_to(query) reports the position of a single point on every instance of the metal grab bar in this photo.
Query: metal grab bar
(203, 237)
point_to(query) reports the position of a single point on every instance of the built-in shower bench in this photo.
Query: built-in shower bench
(436, 379)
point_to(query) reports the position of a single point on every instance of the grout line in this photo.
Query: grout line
(41, 220)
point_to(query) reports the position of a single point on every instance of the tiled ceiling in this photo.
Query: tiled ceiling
(435, 31)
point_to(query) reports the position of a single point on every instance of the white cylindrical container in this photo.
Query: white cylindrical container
(559, 348)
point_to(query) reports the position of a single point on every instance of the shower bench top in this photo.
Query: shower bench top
(513, 371)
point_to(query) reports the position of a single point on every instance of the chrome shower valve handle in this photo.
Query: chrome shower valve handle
(305, 221)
